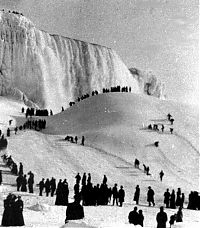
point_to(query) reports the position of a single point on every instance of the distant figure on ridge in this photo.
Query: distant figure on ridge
(161, 175)
(83, 140)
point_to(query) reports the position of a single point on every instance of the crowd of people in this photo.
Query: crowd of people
(75, 139)
(117, 89)
(8, 160)
(174, 200)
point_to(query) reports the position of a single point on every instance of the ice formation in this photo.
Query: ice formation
(49, 71)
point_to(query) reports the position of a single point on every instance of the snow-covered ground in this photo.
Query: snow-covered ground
(114, 127)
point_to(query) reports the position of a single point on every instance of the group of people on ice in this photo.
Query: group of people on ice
(74, 139)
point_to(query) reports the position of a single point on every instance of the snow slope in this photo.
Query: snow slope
(114, 126)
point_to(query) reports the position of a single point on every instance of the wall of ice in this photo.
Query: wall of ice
(51, 70)
(148, 83)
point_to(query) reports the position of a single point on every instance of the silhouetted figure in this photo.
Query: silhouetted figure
(8, 213)
(182, 200)
(147, 170)
(52, 186)
(65, 192)
(171, 121)
(169, 116)
(19, 182)
(133, 217)
(0, 177)
(167, 198)
(140, 218)
(30, 182)
(84, 179)
(178, 197)
(172, 220)
(104, 179)
(18, 212)
(22, 109)
(41, 186)
(83, 140)
(150, 196)
(62, 109)
(150, 127)
(21, 172)
(74, 210)
(10, 122)
(171, 130)
(47, 187)
(59, 193)
(137, 163)
(162, 128)
(161, 175)
(161, 218)
(89, 178)
(172, 200)
(16, 129)
(76, 139)
(156, 144)
(8, 132)
(78, 178)
(24, 183)
(115, 195)
(137, 194)
(51, 112)
(179, 215)
(121, 195)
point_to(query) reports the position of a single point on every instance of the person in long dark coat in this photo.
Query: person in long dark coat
(19, 182)
(52, 186)
(74, 210)
(150, 196)
(30, 182)
(140, 218)
(24, 183)
(121, 195)
(41, 186)
(0, 177)
(137, 194)
(167, 198)
(161, 218)
(65, 192)
(104, 179)
(84, 179)
(59, 193)
(18, 212)
(133, 217)
(7, 211)
(47, 187)
(172, 200)
(178, 197)
(179, 215)
(21, 172)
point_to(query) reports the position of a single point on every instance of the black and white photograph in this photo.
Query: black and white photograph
(99, 114)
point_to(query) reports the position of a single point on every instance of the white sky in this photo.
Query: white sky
(156, 35)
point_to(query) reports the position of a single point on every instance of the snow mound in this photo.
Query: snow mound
(40, 207)
(76, 224)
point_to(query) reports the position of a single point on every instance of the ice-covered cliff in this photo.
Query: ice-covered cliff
(51, 70)
(149, 83)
